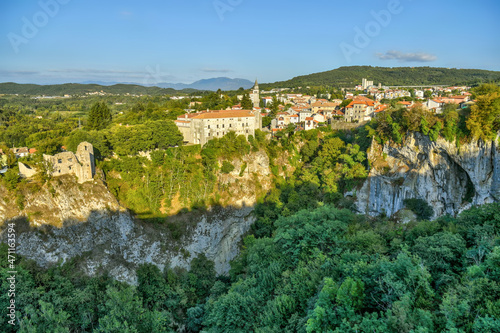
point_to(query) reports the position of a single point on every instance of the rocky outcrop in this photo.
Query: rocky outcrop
(448, 177)
(61, 199)
(116, 243)
(64, 220)
(250, 179)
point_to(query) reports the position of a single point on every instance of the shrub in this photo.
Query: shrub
(226, 167)
(419, 207)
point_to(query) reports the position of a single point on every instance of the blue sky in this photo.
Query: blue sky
(151, 41)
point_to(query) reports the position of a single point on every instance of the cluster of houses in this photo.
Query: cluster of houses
(19, 152)
(308, 112)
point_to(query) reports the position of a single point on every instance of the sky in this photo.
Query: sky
(153, 41)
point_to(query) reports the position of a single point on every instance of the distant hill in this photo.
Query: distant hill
(81, 89)
(222, 83)
(213, 84)
(390, 76)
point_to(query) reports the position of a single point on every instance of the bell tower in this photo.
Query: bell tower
(254, 96)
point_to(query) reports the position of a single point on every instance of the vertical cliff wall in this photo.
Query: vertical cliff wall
(64, 220)
(449, 178)
(116, 243)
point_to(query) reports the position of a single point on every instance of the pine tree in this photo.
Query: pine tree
(99, 116)
(246, 103)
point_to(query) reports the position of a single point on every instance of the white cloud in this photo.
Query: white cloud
(214, 70)
(407, 57)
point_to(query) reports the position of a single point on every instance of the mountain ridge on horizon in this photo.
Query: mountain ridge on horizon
(212, 84)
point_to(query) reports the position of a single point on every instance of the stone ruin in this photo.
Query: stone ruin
(81, 164)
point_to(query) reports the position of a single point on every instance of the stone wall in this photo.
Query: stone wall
(81, 164)
(25, 171)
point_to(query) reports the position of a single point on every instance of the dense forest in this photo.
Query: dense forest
(321, 270)
(82, 89)
(350, 76)
(310, 263)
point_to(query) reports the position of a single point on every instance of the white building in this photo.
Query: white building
(199, 128)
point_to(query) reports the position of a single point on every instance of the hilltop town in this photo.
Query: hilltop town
(281, 110)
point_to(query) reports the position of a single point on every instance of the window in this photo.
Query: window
(70, 159)
(69, 167)
(222, 125)
(208, 126)
(230, 125)
(59, 161)
(217, 125)
(208, 134)
(85, 147)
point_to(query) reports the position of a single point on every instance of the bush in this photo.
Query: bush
(419, 207)
(226, 167)
(11, 178)
(243, 168)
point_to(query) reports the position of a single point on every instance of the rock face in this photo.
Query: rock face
(65, 220)
(61, 200)
(116, 243)
(450, 179)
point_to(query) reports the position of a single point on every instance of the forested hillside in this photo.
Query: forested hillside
(322, 270)
(391, 76)
(82, 89)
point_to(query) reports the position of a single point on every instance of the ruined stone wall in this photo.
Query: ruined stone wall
(25, 171)
(81, 165)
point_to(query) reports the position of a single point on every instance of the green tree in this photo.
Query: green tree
(99, 116)
(420, 207)
(274, 107)
(484, 121)
(227, 167)
(10, 159)
(45, 319)
(246, 103)
(434, 132)
(424, 126)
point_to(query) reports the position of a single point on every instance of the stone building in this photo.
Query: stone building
(81, 164)
(199, 128)
(254, 95)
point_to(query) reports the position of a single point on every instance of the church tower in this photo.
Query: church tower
(254, 96)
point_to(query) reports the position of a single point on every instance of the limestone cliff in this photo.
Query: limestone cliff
(62, 199)
(65, 220)
(450, 179)
(116, 243)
